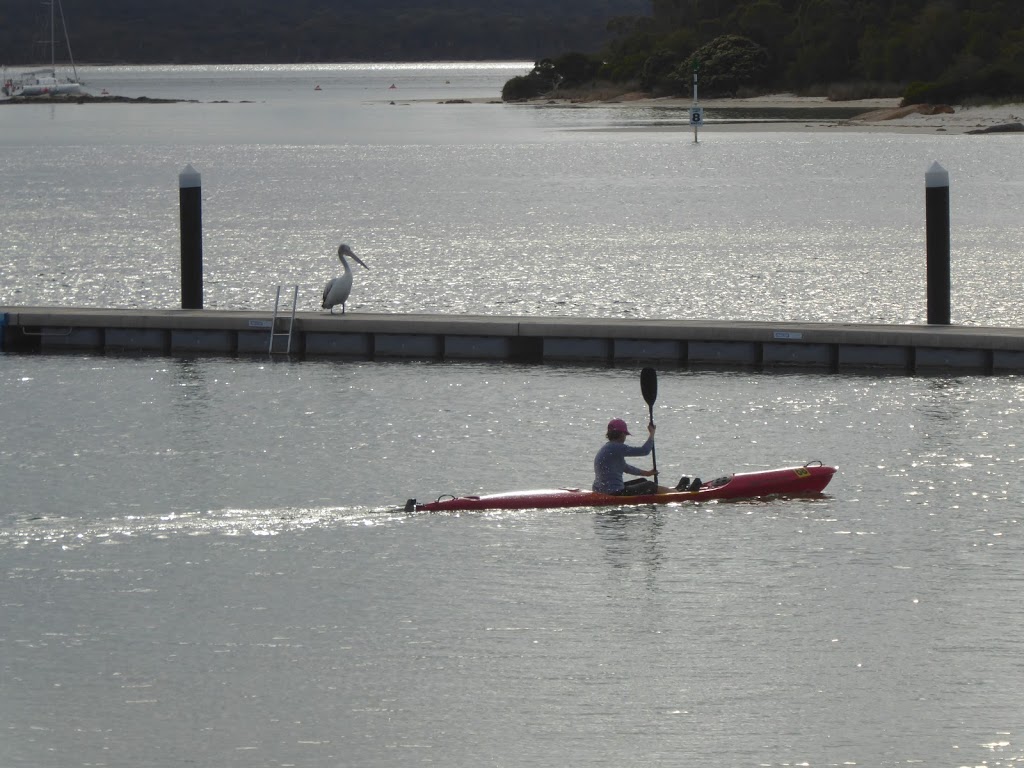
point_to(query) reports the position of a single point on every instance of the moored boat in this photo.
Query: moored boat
(41, 82)
(806, 480)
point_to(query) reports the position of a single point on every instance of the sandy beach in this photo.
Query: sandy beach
(877, 115)
(886, 114)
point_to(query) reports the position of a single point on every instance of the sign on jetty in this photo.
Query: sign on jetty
(694, 343)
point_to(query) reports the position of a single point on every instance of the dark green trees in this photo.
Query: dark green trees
(948, 48)
(570, 70)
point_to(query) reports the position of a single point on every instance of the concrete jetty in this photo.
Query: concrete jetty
(693, 343)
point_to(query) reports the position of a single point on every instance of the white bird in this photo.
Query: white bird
(337, 290)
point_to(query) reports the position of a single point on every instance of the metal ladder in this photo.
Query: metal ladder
(274, 333)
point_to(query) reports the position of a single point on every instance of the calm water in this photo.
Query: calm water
(203, 561)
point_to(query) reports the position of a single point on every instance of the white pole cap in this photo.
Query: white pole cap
(189, 177)
(935, 176)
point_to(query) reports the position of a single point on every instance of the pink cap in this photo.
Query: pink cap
(618, 425)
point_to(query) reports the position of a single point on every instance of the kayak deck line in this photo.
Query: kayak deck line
(805, 480)
(375, 336)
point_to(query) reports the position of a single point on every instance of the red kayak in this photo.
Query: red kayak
(807, 480)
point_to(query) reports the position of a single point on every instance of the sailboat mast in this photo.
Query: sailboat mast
(55, 6)
(67, 40)
(53, 41)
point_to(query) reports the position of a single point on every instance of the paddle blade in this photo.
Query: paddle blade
(649, 385)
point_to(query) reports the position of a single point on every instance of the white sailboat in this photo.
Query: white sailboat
(45, 81)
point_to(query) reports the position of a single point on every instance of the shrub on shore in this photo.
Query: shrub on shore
(862, 89)
(727, 64)
(570, 70)
(992, 84)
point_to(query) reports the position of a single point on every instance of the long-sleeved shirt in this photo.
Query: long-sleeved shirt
(610, 464)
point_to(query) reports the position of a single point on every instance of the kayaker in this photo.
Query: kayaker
(610, 463)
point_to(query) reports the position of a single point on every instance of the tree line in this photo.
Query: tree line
(925, 50)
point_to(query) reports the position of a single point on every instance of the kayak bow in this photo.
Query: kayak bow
(807, 480)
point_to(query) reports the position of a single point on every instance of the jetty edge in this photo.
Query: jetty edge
(695, 343)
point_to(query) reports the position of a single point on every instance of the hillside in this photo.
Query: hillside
(255, 31)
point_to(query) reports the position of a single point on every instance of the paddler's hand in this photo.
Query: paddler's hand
(650, 429)
(649, 473)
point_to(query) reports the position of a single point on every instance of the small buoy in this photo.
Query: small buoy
(317, 88)
(392, 86)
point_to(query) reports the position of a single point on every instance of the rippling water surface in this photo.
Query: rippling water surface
(204, 560)
(486, 207)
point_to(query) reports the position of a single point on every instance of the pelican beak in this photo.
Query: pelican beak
(346, 251)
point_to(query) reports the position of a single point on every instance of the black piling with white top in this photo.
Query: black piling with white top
(190, 201)
(936, 183)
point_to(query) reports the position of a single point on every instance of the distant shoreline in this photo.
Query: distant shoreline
(882, 115)
(874, 114)
(85, 98)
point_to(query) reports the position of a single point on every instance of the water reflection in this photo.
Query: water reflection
(190, 404)
(945, 408)
(944, 398)
(631, 540)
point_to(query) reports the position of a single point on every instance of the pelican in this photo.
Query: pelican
(337, 289)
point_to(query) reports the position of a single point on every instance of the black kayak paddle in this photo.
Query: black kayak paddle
(649, 389)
